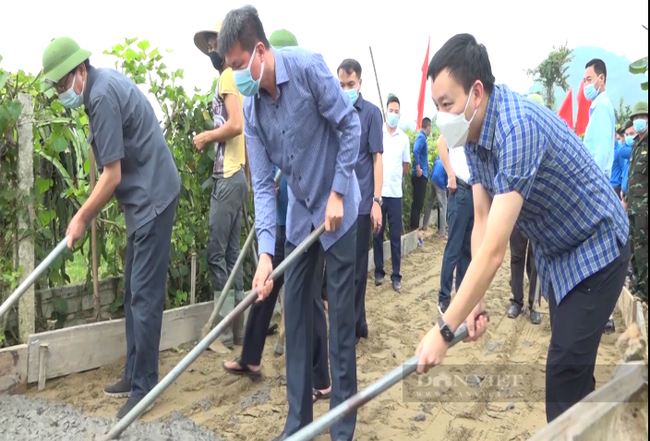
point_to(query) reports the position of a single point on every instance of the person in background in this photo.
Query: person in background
(458, 250)
(395, 162)
(599, 137)
(437, 190)
(370, 175)
(420, 173)
(229, 183)
(624, 154)
(137, 168)
(637, 198)
(529, 168)
(522, 260)
(316, 149)
(617, 166)
(259, 317)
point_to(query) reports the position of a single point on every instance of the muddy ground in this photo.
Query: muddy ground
(239, 409)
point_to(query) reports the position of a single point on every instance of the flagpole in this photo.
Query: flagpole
(381, 103)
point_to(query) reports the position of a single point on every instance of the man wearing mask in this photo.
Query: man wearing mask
(529, 168)
(637, 198)
(259, 317)
(420, 173)
(396, 160)
(437, 190)
(229, 187)
(370, 175)
(599, 137)
(137, 167)
(316, 149)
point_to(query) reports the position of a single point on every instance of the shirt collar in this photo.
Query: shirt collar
(360, 102)
(281, 75)
(598, 99)
(486, 136)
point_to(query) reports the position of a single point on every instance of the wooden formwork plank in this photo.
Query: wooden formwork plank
(628, 307)
(13, 369)
(86, 347)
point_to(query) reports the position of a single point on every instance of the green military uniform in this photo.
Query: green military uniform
(637, 204)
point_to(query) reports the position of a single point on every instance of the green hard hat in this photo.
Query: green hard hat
(61, 56)
(536, 97)
(640, 108)
(282, 38)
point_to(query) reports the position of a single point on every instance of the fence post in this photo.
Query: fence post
(26, 305)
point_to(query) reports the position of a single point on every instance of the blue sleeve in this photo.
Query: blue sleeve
(336, 107)
(375, 132)
(419, 150)
(263, 178)
(625, 152)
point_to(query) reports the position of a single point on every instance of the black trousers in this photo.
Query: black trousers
(419, 192)
(522, 260)
(577, 325)
(391, 211)
(260, 316)
(145, 278)
(302, 286)
(361, 273)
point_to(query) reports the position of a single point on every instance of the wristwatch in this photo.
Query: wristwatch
(378, 200)
(445, 331)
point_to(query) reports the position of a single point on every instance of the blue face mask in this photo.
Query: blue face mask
(629, 141)
(353, 94)
(590, 91)
(244, 81)
(392, 119)
(70, 99)
(640, 125)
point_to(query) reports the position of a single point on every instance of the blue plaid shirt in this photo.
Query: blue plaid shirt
(311, 132)
(570, 213)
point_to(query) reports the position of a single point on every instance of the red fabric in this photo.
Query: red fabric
(582, 120)
(423, 88)
(566, 109)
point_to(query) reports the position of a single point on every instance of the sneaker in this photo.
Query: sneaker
(379, 280)
(121, 389)
(128, 407)
(397, 286)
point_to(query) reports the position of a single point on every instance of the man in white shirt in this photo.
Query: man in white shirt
(396, 160)
(458, 251)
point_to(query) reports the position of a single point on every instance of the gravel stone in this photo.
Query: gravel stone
(34, 419)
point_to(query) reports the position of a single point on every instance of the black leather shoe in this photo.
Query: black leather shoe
(397, 286)
(514, 311)
(535, 317)
(610, 327)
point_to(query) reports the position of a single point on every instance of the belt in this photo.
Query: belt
(463, 184)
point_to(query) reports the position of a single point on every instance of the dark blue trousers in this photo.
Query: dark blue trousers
(145, 279)
(391, 211)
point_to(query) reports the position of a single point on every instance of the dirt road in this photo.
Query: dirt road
(238, 409)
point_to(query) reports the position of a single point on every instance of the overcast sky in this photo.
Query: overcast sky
(517, 34)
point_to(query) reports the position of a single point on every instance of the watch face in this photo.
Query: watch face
(447, 335)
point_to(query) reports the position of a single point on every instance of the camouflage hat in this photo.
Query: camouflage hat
(60, 57)
(536, 97)
(640, 108)
(201, 38)
(282, 38)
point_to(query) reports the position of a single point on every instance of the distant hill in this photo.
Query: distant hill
(620, 82)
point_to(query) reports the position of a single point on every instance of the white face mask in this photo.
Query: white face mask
(455, 128)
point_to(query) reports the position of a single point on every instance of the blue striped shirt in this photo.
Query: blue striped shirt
(299, 132)
(570, 213)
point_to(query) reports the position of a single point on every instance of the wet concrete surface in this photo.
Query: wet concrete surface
(27, 419)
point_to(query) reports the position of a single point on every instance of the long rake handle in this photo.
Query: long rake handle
(18, 293)
(208, 340)
(375, 389)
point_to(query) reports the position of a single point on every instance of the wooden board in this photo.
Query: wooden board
(13, 370)
(592, 411)
(628, 307)
(86, 347)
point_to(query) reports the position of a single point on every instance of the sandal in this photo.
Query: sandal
(318, 395)
(243, 371)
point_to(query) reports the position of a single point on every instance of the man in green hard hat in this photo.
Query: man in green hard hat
(637, 198)
(537, 98)
(137, 167)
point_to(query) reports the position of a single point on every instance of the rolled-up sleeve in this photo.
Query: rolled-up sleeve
(519, 155)
(336, 107)
(263, 179)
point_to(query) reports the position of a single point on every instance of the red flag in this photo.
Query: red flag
(582, 119)
(566, 109)
(423, 87)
